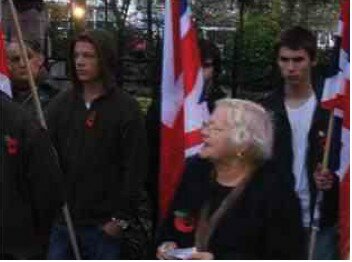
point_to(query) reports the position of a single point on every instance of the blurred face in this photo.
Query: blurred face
(295, 66)
(17, 67)
(216, 137)
(86, 62)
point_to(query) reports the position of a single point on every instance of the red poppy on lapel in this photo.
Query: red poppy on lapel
(90, 120)
(12, 145)
(184, 221)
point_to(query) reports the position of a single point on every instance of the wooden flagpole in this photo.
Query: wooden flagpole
(315, 224)
(41, 118)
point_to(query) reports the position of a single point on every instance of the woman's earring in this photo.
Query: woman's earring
(240, 155)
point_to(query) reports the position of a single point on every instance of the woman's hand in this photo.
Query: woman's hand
(202, 256)
(164, 248)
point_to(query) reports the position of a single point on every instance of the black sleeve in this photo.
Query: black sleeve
(189, 197)
(52, 113)
(44, 175)
(133, 158)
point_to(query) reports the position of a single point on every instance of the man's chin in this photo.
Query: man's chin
(20, 83)
(21, 79)
(292, 82)
(84, 79)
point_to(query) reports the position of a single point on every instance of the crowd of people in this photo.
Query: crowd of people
(250, 193)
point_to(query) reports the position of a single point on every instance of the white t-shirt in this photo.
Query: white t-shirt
(301, 120)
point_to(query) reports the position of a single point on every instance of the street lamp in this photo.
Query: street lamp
(78, 12)
(78, 9)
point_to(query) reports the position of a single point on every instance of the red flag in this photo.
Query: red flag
(182, 109)
(4, 80)
(336, 97)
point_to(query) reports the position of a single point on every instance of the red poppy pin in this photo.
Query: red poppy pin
(184, 221)
(12, 145)
(90, 119)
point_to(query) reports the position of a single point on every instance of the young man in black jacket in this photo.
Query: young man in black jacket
(300, 129)
(99, 134)
(30, 183)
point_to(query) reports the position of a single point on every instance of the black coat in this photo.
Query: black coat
(46, 92)
(283, 153)
(102, 152)
(30, 183)
(103, 149)
(263, 224)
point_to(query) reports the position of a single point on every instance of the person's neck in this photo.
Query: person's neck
(92, 91)
(298, 92)
(230, 174)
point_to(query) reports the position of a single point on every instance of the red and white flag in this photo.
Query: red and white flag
(183, 109)
(4, 73)
(336, 97)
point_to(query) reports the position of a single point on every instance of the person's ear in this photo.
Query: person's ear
(40, 60)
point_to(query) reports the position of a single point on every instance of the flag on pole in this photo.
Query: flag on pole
(336, 97)
(183, 110)
(4, 73)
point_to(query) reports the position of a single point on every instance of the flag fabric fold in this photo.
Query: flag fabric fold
(5, 85)
(182, 109)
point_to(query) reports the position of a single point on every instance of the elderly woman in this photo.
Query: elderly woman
(230, 203)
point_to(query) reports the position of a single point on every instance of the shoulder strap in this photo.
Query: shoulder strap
(206, 227)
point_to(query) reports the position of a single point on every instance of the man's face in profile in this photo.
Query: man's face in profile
(17, 66)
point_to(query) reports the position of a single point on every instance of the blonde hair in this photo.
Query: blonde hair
(251, 126)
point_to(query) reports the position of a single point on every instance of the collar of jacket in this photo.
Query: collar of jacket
(278, 101)
(78, 93)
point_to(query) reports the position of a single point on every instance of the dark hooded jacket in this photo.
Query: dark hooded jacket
(102, 150)
(30, 183)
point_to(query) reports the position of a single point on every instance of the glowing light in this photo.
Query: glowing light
(78, 12)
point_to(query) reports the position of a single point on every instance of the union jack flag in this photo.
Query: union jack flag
(183, 110)
(336, 97)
